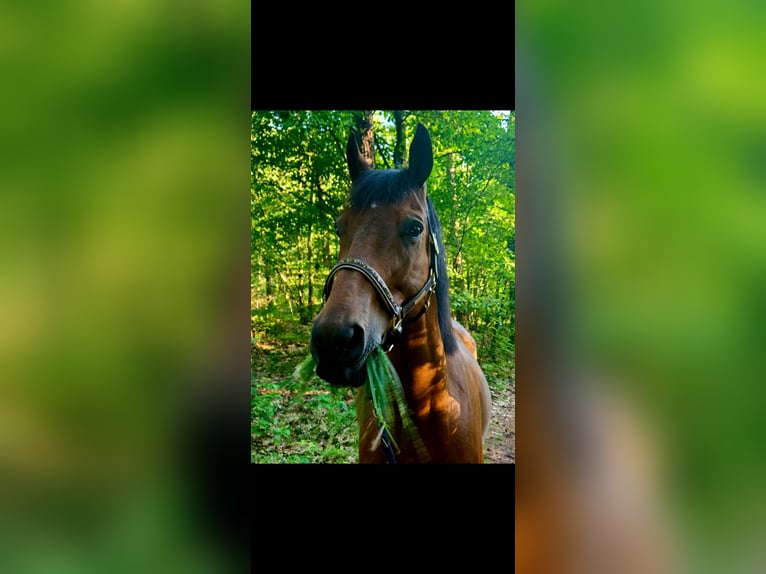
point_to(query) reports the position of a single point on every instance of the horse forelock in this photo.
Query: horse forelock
(380, 186)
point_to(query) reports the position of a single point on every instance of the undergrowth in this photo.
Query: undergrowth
(296, 422)
(313, 422)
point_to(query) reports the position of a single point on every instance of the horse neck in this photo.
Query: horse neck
(419, 358)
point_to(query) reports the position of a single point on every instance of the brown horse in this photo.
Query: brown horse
(392, 261)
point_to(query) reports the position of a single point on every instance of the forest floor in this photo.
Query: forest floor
(500, 443)
(282, 426)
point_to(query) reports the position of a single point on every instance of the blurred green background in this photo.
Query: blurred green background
(642, 129)
(124, 246)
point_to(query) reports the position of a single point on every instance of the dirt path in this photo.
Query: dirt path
(500, 446)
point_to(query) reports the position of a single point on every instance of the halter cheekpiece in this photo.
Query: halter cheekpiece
(399, 313)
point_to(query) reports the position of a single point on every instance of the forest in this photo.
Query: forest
(299, 182)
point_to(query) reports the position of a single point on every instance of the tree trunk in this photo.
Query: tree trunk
(366, 135)
(309, 272)
(270, 291)
(399, 146)
(454, 230)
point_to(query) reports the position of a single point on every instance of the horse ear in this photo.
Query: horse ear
(421, 160)
(356, 162)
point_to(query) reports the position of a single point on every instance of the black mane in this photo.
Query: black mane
(392, 186)
(442, 284)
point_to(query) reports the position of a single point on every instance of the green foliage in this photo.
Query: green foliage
(299, 182)
(296, 419)
(294, 423)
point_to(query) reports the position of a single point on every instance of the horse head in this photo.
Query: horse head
(385, 273)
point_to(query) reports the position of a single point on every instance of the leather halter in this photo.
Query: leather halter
(398, 312)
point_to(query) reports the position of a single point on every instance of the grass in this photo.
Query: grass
(307, 422)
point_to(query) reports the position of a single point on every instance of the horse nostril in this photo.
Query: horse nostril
(342, 344)
(356, 341)
(348, 343)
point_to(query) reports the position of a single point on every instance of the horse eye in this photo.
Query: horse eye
(414, 229)
(337, 229)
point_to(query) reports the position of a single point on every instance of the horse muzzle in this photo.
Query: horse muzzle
(340, 351)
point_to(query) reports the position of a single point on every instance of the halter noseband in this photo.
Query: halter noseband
(398, 312)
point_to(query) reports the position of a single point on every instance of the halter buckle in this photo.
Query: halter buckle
(393, 333)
